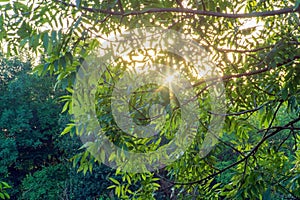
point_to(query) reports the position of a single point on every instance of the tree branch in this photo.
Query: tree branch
(187, 11)
(237, 113)
(252, 152)
(251, 73)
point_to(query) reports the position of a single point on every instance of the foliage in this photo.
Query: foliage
(28, 121)
(61, 181)
(8, 154)
(52, 179)
(34, 157)
(258, 152)
(91, 185)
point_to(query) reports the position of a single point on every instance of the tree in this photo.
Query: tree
(254, 46)
(34, 157)
(29, 122)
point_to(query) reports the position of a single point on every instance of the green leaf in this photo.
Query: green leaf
(267, 194)
(46, 67)
(66, 106)
(102, 155)
(114, 181)
(112, 186)
(68, 129)
(118, 191)
(62, 62)
(91, 167)
(56, 65)
(78, 2)
(45, 40)
(5, 185)
(85, 168)
(77, 22)
(297, 4)
(6, 195)
(53, 36)
(284, 93)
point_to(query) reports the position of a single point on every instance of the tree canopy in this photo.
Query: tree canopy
(253, 49)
